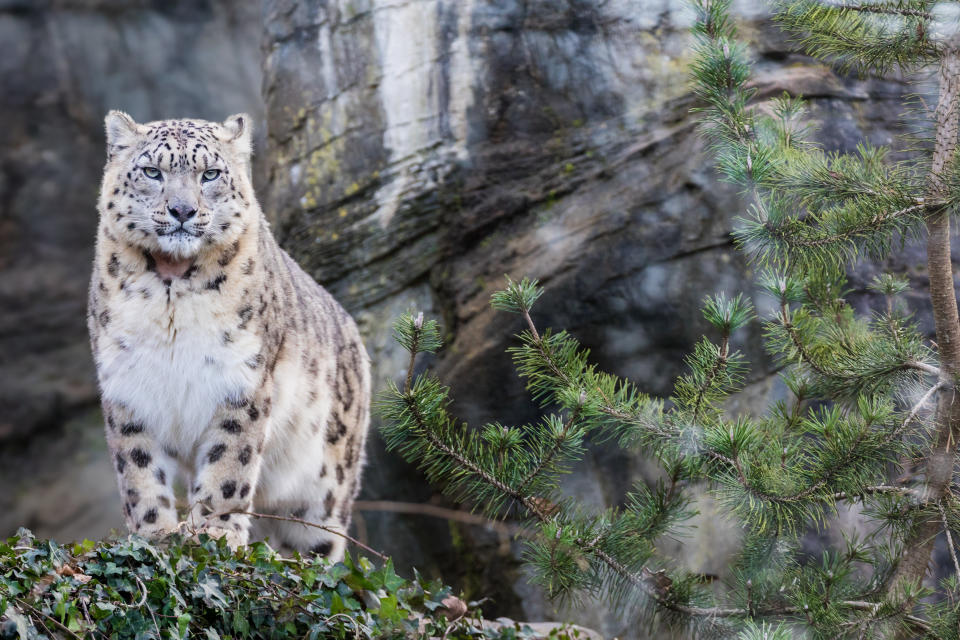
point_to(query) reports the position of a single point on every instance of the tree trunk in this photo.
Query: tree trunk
(939, 469)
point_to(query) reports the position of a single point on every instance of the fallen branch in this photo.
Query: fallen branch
(348, 538)
(505, 530)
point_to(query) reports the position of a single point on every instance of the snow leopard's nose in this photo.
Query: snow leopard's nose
(181, 212)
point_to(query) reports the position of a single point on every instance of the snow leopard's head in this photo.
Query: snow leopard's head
(177, 188)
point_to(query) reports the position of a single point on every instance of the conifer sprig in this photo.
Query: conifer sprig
(864, 37)
(847, 356)
(416, 336)
(817, 179)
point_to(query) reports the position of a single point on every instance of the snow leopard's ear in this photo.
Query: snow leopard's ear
(122, 131)
(239, 132)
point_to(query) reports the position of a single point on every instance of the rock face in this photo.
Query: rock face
(417, 151)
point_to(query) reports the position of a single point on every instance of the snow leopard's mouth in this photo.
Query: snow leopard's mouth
(178, 232)
(179, 240)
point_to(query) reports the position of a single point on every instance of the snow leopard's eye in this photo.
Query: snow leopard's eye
(152, 172)
(210, 174)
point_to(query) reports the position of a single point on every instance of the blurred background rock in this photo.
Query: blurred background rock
(409, 154)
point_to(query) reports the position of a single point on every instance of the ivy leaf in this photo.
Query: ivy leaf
(335, 574)
(101, 610)
(209, 591)
(391, 581)
(183, 623)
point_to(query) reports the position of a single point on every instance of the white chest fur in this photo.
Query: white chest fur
(173, 362)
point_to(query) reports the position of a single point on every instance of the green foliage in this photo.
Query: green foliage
(889, 284)
(518, 297)
(765, 632)
(816, 207)
(131, 588)
(866, 37)
(727, 314)
(860, 385)
(417, 335)
(777, 473)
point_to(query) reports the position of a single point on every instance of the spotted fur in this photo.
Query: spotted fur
(218, 358)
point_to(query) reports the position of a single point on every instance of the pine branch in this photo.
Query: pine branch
(873, 607)
(817, 485)
(529, 504)
(729, 612)
(797, 342)
(847, 358)
(546, 460)
(878, 490)
(946, 530)
(893, 435)
(811, 491)
(818, 180)
(923, 366)
(838, 235)
(532, 505)
(718, 367)
(535, 506)
(544, 351)
(919, 405)
(568, 372)
(850, 234)
(884, 9)
(416, 336)
(414, 349)
(854, 38)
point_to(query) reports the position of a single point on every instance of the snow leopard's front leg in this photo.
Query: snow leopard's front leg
(144, 472)
(227, 466)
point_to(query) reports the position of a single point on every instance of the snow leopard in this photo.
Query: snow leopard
(220, 362)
